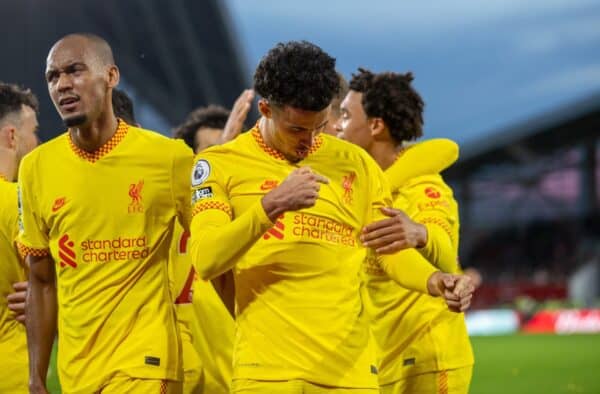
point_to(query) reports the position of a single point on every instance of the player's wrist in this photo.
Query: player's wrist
(422, 235)
(273, 206)
(433, 284)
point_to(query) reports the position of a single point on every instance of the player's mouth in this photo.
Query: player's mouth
(69, 103)
(302, 151)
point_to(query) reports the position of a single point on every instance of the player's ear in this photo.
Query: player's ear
(113, 76)
(8, 136)
(265, 108)
(377, 127)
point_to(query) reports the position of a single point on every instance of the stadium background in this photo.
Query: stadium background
(517, 84)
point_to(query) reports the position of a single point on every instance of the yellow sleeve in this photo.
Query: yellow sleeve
(182, 162)
(440, 153)
(408, 268)
(219, 237)
(434, 206)
(33, 232)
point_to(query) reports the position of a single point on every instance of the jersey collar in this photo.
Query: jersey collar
(105, 149)
(274, 152)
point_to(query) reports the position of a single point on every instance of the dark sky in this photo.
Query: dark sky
(479, 65)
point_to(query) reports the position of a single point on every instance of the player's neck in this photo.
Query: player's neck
(384, 153)
(92, 136)
(8, 164)
(267, 132)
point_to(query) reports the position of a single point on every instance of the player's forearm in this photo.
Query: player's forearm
(439, 249)
(216, 248)
(41, 314)
(409, 269)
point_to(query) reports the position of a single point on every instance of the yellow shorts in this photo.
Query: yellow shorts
(452, 381)
(14, 366)
(120, 384)
(290, 387)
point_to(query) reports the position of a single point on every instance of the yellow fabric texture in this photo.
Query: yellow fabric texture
(299, 314)
(417, 333)
(120, 384)
(244, 386)
(454, 381)
(207, 329)
(107, 220)
(14, 372)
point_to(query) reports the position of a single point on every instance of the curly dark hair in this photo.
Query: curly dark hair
(298, 74)
(391, 97)
(13, 97)
(123, 106)
(213, 116)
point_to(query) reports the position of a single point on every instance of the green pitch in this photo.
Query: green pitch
(536, 364)
(522, 364)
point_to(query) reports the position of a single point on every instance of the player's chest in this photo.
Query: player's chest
(100, 194)
(346, 193)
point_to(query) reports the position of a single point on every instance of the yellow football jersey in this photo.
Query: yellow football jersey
(107, 219)
(14, 373)
(205, 323)
(299, 314)
(416, 333)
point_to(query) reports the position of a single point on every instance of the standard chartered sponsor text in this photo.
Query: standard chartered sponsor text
(315, 227)
(117, 249)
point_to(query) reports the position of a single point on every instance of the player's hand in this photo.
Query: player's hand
(237, 117)
(16, 300)
(391, 235)
(299, 190)
(475, 276)
(457, 290)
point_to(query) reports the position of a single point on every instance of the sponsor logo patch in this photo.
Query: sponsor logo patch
(202, 193)
(432, 192)
(149, 360)
(66, 254)
(200, 173)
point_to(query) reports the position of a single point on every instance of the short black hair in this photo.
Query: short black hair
(213, 116)
(298, 74)
(391, 97)
(123, 106)
(13, 97)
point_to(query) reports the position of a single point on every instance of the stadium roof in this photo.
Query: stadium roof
(566, 126)
(176, 55)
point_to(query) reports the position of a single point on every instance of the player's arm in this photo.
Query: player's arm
(218, 239)
(41, 303)
(41, 315)
(408, 267)
(238, 115)
(430, 229)
(427, 157)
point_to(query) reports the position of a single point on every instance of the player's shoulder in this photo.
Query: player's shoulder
(339, 149)
(151, 138)
(428, 186)
(238, 146)
(48, 150)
